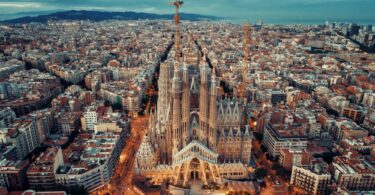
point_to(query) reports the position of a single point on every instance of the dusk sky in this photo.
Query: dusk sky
(273, 11)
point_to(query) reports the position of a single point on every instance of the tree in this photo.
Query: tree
(154, 99)
(77, 189)
(116, 106)
(258, 136)
(71, 138)
(327, 156)
(272, 158)
(280, 171)
(72, 190)
(264, 148)
(260, 173)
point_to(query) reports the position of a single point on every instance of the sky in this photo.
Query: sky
(270, 11)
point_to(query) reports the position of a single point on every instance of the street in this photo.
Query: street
(121, 181)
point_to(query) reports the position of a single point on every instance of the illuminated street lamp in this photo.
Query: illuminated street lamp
(122, 158)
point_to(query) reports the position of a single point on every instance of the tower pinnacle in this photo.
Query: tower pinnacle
(214, 64)
(177, 4)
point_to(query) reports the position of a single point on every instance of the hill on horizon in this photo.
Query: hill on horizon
(98, 16)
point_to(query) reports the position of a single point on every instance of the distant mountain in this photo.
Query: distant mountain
(103, 15)
(10, 16)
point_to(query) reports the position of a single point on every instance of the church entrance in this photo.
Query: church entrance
(194, 169)
(194, 175)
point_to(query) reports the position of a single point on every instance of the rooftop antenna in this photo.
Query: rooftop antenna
(177, 4)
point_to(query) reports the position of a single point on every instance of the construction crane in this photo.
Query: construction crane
(177, 4)
(246, 55)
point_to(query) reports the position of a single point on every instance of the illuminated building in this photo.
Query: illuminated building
(193, 133)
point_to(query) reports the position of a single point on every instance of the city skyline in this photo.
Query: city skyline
(275, 12)
(110, 103)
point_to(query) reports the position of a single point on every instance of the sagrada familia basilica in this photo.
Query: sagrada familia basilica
(193, 133)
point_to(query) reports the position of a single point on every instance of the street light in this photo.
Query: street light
(122, 158)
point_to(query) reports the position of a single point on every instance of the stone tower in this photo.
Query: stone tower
(185, 102)
(164, 113)
(212, 133)
(203, 99)
(176, 112)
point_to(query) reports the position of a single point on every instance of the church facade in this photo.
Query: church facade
(194, 134)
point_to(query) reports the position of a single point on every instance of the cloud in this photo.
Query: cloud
(150, 9)
(20, 5)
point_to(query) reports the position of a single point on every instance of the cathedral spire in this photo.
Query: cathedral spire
(185, 101)
(178, 5)
(184, 68)
(176, 111)
(203, 99)
(204, 66)
(164, 95)
(247, 131)
(213, 78)
(213, 110)
(204, 57)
